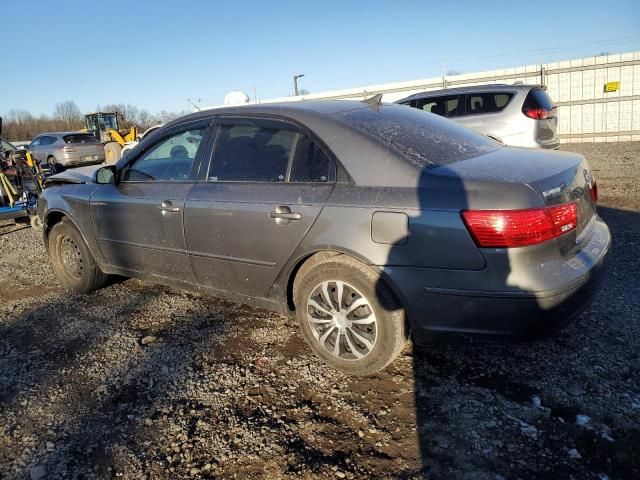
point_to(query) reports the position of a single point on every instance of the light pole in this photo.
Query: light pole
(295, 83)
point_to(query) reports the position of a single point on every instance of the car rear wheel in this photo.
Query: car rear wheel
(53, 166)
(72, 261)
(349, 316)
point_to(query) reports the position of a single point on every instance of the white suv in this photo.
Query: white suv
(516, 115)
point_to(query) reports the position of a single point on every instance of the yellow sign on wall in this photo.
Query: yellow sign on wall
(612, 86)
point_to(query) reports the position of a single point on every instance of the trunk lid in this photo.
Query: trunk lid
(83, 145)
(555, 177)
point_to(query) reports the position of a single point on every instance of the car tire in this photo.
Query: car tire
(53, 166)
(369, 336)
(35, 222)
(72, 261)
(112, 152)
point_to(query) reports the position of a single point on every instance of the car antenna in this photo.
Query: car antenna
(374, 101)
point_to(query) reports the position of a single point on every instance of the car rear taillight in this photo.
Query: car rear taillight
(594, 192)
(519, 228)
(537, 113)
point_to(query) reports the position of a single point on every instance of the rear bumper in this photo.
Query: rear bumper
(80, 163)
(555, 145)
(508, 313)
(77, 159)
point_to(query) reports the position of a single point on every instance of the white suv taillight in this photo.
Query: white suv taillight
(537, 113)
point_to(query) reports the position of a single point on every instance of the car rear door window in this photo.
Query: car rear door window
(310, 163)
(47, 140)
(252, 152)
(169, 159)
(445, 106)
(487, 102)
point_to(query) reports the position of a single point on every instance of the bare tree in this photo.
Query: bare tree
(69, 113)
(20, 125)
(145, 119)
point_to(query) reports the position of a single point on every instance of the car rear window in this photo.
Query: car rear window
(538, 98)
(487, 102)
(81, 138)
(420, 137)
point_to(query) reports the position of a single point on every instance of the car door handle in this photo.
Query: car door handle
(284, 213)
(167, 206)
(286, 216)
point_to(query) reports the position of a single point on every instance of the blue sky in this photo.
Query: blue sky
(158, 54)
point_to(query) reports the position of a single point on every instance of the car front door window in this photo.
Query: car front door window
(169, 160)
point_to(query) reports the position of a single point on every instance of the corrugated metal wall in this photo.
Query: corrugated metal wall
(586, 113)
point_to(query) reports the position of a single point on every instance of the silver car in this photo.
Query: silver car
(516, 115)
(67, 149)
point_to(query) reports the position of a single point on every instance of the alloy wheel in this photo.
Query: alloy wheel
(342, 320)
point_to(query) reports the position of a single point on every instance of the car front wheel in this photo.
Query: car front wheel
(349, 316)
(72, 261)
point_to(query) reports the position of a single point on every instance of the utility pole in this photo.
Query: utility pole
(295, 83)
(444, 70)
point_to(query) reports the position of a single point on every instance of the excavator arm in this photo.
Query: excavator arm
(128, 137)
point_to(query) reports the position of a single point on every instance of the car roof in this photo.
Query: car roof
(362, 156)
(288, 109)
(494, 87)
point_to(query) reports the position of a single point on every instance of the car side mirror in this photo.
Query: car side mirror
(106, 175)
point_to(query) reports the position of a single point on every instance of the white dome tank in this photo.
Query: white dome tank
(236, 97)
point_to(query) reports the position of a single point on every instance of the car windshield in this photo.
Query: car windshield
(422, 138)
(5, 146)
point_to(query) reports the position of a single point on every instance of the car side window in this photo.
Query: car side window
(445, 106)
(310, 163)
(35, 143)
(169, 160)
(487, 102)
(47, 140)
(252, 153)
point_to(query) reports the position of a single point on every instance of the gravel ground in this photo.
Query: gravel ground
(142, 381)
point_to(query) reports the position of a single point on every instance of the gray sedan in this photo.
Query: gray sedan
(363, 221)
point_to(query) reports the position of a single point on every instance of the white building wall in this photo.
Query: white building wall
(586, 113)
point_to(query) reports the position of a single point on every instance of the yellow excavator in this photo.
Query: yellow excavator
(105, 126)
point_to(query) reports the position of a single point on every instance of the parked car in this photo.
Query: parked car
(363, 221)
(67, 149)
(516, 115)
(129, 146)
(6, 146)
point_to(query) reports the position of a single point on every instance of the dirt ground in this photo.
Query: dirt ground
(140, 381)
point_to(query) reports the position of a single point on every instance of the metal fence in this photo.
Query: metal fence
(586, 112)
